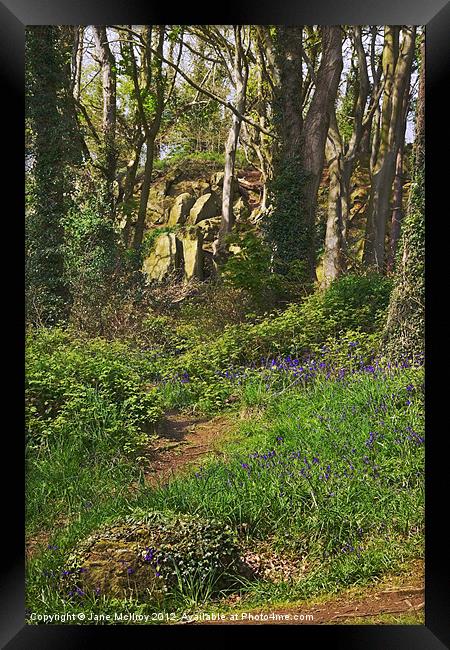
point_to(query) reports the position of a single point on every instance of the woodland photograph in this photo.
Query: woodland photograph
(224, 354)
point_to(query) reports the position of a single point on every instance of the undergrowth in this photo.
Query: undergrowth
(326, 467)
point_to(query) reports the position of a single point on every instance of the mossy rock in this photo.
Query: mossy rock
(163, 258)
(191, 238)
(147, 555)
(180, 209)
(206, 207)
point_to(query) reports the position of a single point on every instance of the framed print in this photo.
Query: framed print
(229, 357)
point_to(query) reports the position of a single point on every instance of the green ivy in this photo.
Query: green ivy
(54, 152)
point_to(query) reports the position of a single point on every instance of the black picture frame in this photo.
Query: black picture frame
(435, 15)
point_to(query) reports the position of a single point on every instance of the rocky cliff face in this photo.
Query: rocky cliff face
(188, 201)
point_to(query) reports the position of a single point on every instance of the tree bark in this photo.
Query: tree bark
(396, 72)
(397, 209)
(316, 123)
(151, 131)
(240, 77)
(300, 148)
(342, 162)
(332, 260)
(403, 334)
(107, 63)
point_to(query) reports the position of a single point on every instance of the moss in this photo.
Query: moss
(147, 555)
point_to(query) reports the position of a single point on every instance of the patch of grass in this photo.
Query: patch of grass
(325, 467)
(330, 471)
(402, 618)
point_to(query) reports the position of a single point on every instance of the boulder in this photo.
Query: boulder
(205, 207)
(241, 210)
(191, 239)
(210, 228)
(217, 180)
(112, 563)
(147, 554)
(201, 187)
(156, 198)
(164, 257)
(180, 209)
(216, 183)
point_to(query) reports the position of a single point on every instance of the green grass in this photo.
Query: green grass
(354, 509)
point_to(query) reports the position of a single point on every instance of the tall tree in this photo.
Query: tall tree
(397, 61)
(109, 83)
(343, 154)
(397, 198)
(239, 77)
(151, 106)
(55, 150)
(300, 147)
(405, 325)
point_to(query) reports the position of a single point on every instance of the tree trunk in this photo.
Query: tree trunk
(240, 74)
(403, 335)
(342, 161)
(109, 156)
(396, 72)
(128, 188)
(316, 124)
(300, 151)
(397, 209)
(151, 131)
(145, 192)
(55, 152)
(332, 260)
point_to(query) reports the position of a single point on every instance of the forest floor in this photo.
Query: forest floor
(183, 441)
(394, 600)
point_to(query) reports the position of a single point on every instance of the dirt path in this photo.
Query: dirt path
(393, 598)
(183, 439)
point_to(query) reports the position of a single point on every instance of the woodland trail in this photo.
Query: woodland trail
(182, 441)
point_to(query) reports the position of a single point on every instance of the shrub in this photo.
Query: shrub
(352, 303)
(74, 380)
(215, 306)
(102, 275)
(250, 269)
(162, 333)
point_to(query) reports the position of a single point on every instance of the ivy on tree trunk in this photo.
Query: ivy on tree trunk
(55, 149)
(405, 325)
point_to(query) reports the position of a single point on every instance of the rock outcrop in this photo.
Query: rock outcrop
(191, 239)
(189, 200)
(165, 257)
(207, 206)
(180, 209)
